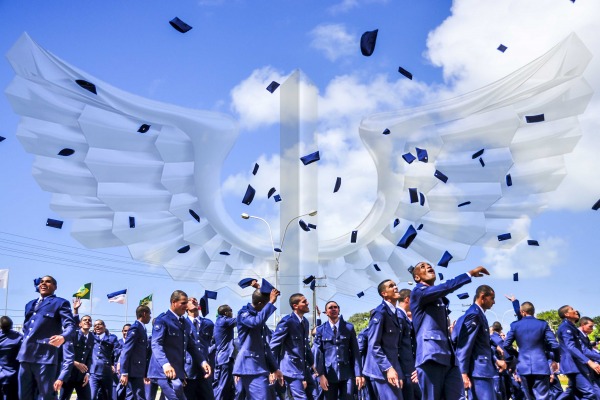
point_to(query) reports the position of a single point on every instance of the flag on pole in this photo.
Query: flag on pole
(118, 296)
(146, 301)
(84, 292)
(3, 278)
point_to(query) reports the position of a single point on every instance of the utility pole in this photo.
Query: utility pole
(318, 282)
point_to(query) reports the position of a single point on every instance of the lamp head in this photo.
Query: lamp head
(245, 216)
(313, 213)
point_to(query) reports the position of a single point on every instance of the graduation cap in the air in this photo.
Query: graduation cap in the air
(408, 157)
(90, 87)
(271, 192)
(440, 176)
(224, 253)
(184, 249)
(143, 128)
(411, 269)
(312, 226)
(413, 194)
(481, 162)
(308, 279)
(313, 284)
(504, 236)
(367, 42)
(420, 227)
(422, 155)
(421, 199)
(277, 249)
(466, 203)
(516, 276)
(376, 267)
(54, 223)
(266, 287)
(310, 158)
(353, 236)
(203, 303)
(131, 222)
(255, 170)
(246, 282)
(360, 294)
(441, 276)
(446, 257)
(272, 86)
(596, 206)
(249, 196)
(531, 119)
(509, 181)
(66, 152)
(386, 131)
(405, 73)
(338, 183)
(210, 294)
(194, 215)
(277, 198)
(2, 138)
(179, 25)
(532, 242)
(36, 283)
(408, 237)
(463, 296)
(304, 226)
(396, 222)
(502, 48)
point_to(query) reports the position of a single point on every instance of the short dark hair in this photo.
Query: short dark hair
(126, 325)
(381, 286)
(51, 278)
(259, 297)
(140, 310)
(585, 321)
(485, 290)
(223, 309)
(497, 327)
(177, 295)
(562, 311)
(332, 301)
(295, 299)
(6, 323)
(403, 293)
(528, 308)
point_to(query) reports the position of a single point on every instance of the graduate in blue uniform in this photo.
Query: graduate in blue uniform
(576, 361)
(534, 339)
(197, 385)
(224, 354)
(437, 367)
(408, 348)
(103, 361)
(291, 348)
(255, 361)
(171, 338)
(81, 346)
(134, 354)
(10, 343)
(337, 357)
(476, 360)
(382, 364)
(48, 324)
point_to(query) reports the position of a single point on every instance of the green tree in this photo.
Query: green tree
(551, 317)
(359, 320)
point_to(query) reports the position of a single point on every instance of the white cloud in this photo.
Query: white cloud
(333, 40)
(347, 5)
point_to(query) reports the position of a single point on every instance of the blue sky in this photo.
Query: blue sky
(233, 48)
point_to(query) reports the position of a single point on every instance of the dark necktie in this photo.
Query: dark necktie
(335, 331)
(197, 325)
(38, 304)
(181, 321)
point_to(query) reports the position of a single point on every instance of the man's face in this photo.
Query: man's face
(390, 291)
(332, 310)
(86, 322)
(124, 331)
(587, 328)
(488, 301)
(228, 312)
(424, 273)
(99, 327)
(572, 314)
(192, 304)
(46, 287)
(146, 317)
(302, 305)
(180, 306)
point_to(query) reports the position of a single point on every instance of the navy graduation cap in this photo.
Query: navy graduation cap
(414, 195)
(54, 223)
(272, 86)
(422, 155)
(179, 25)
(308, 279)
(90, 87)
(532, 242)
(502, 48)
(266, 287)
(409, 236)
(246, 282)
(405, 73)
(338, 183)
(194, 215)
(504, 236)
(304, 226)
(446, 257)
(463, 296)
(367, 42)
(249, 196)
(255, 169)
(438, 174)
(66, 152)
(353, 236)
(310, 158)
(408, 157)
(131, 222)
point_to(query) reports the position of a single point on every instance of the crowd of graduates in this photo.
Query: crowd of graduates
(409, 350)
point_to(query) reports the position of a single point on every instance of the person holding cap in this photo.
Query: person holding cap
(435, 361)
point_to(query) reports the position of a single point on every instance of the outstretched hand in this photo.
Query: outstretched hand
(510, 297)
(478, 272)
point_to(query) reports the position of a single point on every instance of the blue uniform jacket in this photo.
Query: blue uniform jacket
(10, 343)
(429, 308)
(385, 334)
(473, 352)
(81, 347)
(290, 347)
(587, 345)
(535, 341)
(255, 356)
(338, 358)
(66, 364)
(407, 345)
(134, 352)
(573, 355)
(104, 354)
(170, 341)
(53, 317)
(224, 347)
(202, 333)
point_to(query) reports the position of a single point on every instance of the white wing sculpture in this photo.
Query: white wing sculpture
(125, 156)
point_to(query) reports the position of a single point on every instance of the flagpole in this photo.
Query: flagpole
(126, 304)
(6, 298)
(91, 298)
